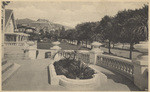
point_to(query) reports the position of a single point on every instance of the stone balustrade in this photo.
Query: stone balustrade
(117, 64)
(84, 56)
(67, 54)
(74, 42)
(80, 55)
(14, 43)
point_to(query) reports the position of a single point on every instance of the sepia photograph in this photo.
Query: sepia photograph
(49, 45)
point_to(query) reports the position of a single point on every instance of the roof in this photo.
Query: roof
(8, 15)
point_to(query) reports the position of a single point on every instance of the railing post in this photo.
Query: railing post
(54, 50)
(141, 72)
(32, 50)
(94, 52)
(141, 66)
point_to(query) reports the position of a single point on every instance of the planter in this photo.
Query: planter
(77, 84)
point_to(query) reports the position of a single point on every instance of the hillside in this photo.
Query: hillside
(40, 24)
(24, 21)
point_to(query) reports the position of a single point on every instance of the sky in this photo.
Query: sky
(69, 13)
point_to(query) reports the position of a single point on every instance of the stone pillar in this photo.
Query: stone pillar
(55, 49)
(32, 50)
(141, 72)
(16, 38)
(94, 52)
(141, 66)
(32, 53)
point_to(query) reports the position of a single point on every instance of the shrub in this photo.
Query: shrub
(73, 69)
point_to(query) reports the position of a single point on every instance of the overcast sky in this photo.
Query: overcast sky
(69, 13)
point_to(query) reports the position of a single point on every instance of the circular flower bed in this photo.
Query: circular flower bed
(73, 69)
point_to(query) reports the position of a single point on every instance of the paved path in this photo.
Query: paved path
(33, 76)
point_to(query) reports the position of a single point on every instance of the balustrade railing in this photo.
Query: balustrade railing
(84, 56)
(67, 54)
(75, 55)
(14, 43)
(117, 64)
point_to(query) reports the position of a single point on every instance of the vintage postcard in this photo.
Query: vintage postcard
(64, 45)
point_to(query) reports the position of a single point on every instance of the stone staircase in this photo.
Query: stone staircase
(11, 54)
(8, 69)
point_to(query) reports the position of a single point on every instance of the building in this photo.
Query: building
(26, 29)
(10, 30)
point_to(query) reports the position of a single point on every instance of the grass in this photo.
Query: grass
(63, 45)
(44, 45)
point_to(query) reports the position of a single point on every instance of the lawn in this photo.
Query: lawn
(63, 45)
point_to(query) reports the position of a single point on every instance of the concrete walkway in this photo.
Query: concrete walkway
(33, 76)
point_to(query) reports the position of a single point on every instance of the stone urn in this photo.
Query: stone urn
(56, 47)
(96, 47)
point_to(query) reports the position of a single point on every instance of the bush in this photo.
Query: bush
(73, 69)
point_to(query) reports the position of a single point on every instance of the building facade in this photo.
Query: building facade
(11, 34)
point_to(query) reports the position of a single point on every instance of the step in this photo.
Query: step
(9, 73)
(6, 67)
(4, 61)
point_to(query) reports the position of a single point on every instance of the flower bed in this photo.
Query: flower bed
(73, 69)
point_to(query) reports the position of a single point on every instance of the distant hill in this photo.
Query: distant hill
(40, 24)
(24, 21)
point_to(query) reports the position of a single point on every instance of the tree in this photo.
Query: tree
(134, 26)
(71, 34)
(62, 32)
(107, 30)
(85, 31)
